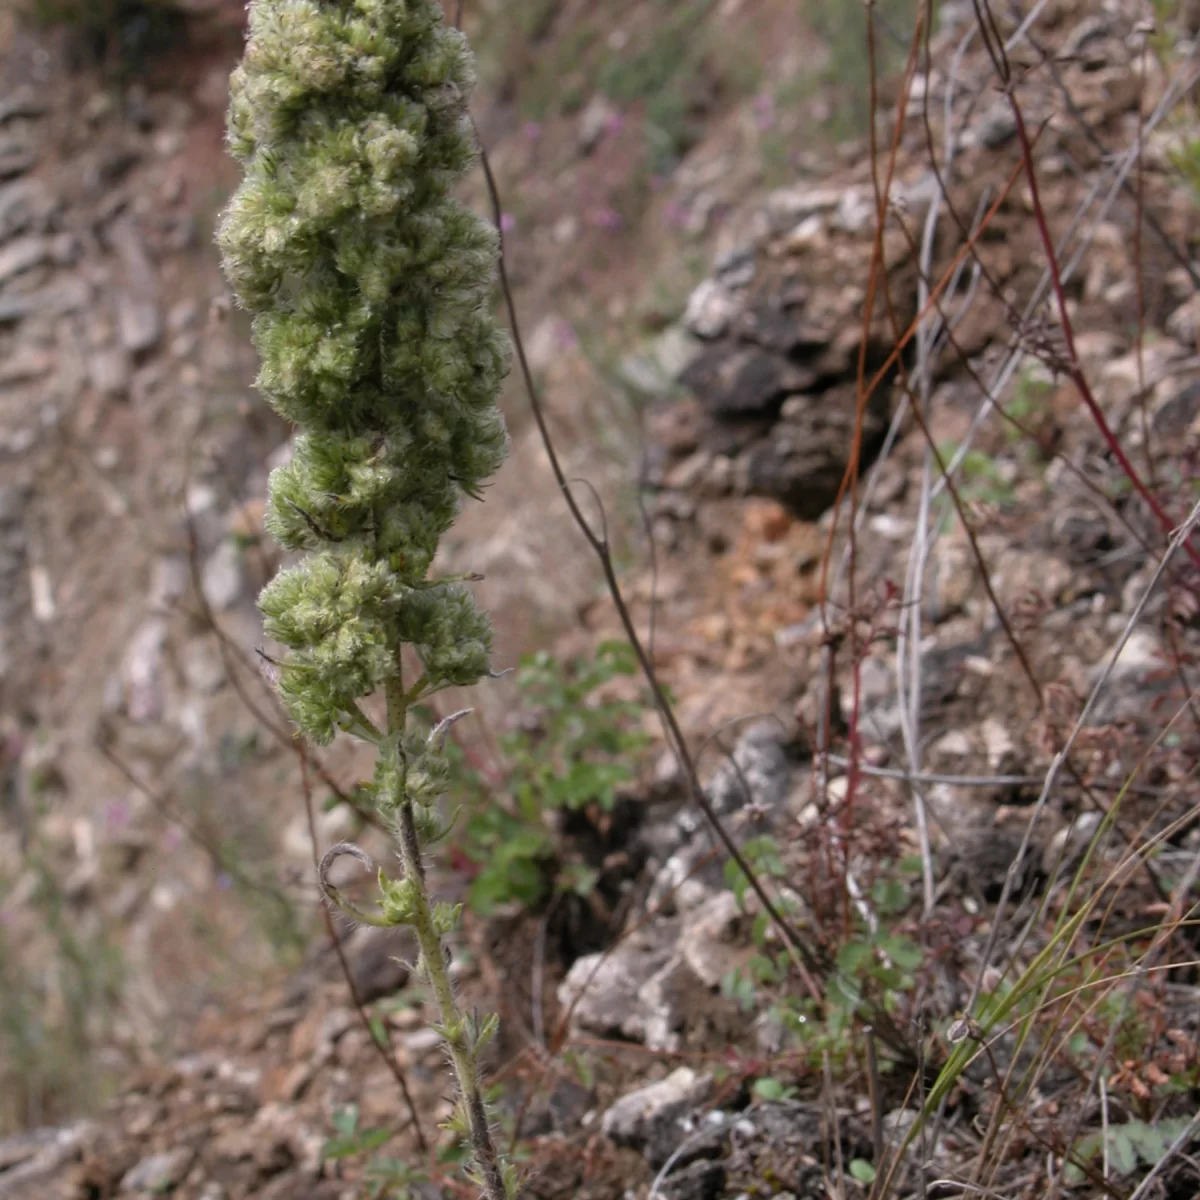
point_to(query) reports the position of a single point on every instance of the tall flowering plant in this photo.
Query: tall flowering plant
(369, 286)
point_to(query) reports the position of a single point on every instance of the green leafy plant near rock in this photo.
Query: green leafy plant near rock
(384, 1178)
(574, 750)
(875, 968)
(369, 284)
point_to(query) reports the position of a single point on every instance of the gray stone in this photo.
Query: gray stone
(1184, 323)
(223, 579)
(735, 268)
(735, 381)
(26, 363)
(56, 299)
(594, 122)
(789, 206)
(655, 368)
(24, 204)
(31, 1177)
(23, 1146)
(202, 666)
(648, 1119)
(139, 316)
(777, 324)
(710, 310)
(952, 747)
(422, 1042)
(704, 1180)
(1088, 31)
(1179, 416)
(169, 580)
(709, 942)
(22, 102)
(14, 499)
(109, 371)
(183, 314)
(947, 677)
(379, 960)
(802, 461)
(142, 671)
(1083, 535)
(807, 235)
(139, 322)
(642, 375)
(159, 1172)
(16, 156)
(22, 255)
(673, 351)
(684, 882)
(41, 593)
(1066, 847)
(785, 1124)
(65, 249)
(763, 764)
(1001, 749)
(1141, 654)
(1019, 574)
(688, 472)
(335, 1024)
(995, 128)
(855, 213)
(600, 990)
(1140, 680)
(562, 1107)
(661, 1006)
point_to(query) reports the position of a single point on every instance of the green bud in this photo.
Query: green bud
(446, 917)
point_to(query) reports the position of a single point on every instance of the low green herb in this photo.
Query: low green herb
(874, 967)
(1128, 1145)
(573, 748)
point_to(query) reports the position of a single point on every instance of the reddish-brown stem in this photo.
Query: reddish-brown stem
(1074, 370)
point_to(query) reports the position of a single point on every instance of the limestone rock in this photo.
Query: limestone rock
(159, 1173)
(648, 1119)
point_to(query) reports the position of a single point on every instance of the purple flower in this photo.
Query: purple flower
(533, 130)
(675, 213)
(604, 217)
(764, 110)
(116, 814)
(507, 222)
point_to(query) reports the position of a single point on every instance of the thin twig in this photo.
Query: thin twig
(384, 1048)
(810, 961)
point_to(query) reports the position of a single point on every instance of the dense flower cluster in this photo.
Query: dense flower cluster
(370, 286)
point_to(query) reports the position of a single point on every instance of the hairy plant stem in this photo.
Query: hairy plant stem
(459, 1032)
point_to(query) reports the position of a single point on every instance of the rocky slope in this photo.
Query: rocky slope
(125, 402)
